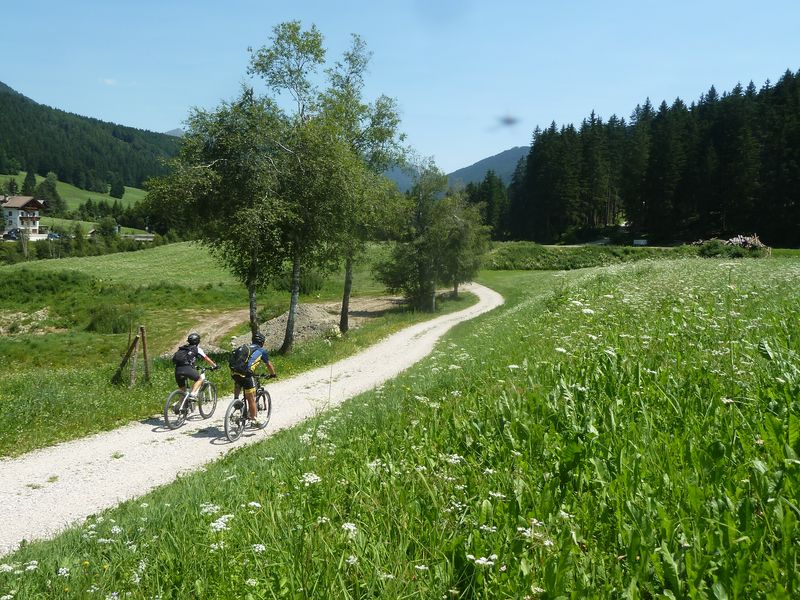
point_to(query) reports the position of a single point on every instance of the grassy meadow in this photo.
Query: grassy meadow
(74, 197)
(622, 432)
(69, 322)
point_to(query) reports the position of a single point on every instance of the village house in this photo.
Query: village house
(21, 212)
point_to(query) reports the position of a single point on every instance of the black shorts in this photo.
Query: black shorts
(184, 372)
(246, 382)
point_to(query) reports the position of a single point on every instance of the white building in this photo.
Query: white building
(21, 212)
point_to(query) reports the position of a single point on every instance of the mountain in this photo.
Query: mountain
(175, 132)
(502, 164)
(83, 151)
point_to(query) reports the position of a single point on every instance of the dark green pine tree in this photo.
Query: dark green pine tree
(595, 176)
(29, 183)
(739, 162)
(516, 201)
(46, 191)
(666, 170)
(117, 188)
(634, 169)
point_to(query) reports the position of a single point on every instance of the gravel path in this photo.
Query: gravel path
(45, 491)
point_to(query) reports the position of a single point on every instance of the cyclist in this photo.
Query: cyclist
(243, 378)
(184, 360)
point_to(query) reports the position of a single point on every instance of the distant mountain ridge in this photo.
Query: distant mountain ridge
(503, 164)
(86, 152)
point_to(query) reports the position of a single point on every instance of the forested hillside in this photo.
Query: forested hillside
(88, 153)
(502, 165)
(726, 164)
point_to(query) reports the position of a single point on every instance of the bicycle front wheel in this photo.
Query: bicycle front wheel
(235, 418)
(207, 400)
(175, 409)
(264, 406)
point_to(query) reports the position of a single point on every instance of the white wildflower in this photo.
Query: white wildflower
(209, 509)
(352, 560)
(251, 582)
(310, 479)
(259, 548)
(221, 524)
(63, 572)
(254, 505)
(351, 529)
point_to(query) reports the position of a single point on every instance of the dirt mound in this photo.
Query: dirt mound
(311, 320)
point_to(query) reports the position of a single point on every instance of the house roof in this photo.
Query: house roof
(22, 202)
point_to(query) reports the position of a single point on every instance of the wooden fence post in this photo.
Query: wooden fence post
(117, 378)
(144, 354)
(133, 361)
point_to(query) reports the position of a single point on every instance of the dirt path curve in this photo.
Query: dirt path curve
(47, 490)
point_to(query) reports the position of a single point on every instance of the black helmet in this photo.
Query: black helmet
(193, 339)
(258, 338)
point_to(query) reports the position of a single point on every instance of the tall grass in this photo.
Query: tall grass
(627, 432)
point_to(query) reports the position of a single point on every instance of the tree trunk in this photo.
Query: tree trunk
(251, 294)
(433, 293)
(348, 286)
(288, 339)
(455, 290)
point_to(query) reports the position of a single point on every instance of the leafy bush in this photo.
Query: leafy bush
(114, 318)
(23, 286)
(310, 282)
(529, 256)
(716, 248)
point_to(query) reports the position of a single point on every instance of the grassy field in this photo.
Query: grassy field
(68, 224)
(74, 197)
(624, 432)
(86, 309)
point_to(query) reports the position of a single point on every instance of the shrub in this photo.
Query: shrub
(310, 282)
(114, 318)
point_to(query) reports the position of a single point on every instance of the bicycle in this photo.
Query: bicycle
(236, 416)
(179, 405)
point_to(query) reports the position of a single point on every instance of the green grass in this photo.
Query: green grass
(621, 432)
(74, 197)
(68, 224)
(531, 256)
(95, 304)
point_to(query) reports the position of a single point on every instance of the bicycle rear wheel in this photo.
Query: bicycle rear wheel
(235, 418)
(175, 409)
(264, 406)
(207, 400)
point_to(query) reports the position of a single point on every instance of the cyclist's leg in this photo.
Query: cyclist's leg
(187, 372)
(250, 395)
(198, 382)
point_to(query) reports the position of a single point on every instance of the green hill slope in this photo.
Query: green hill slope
(80, 150)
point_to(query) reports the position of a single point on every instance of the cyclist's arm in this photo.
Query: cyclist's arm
(206, 357)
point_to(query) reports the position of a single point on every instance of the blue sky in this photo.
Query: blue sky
(455, 67)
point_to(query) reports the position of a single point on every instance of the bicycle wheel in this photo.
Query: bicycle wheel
(207, 400)
(235, 418)
(175, 410)
(264, 406)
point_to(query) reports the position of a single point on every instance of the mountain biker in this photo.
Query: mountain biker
(244, 380)
(184, 360)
